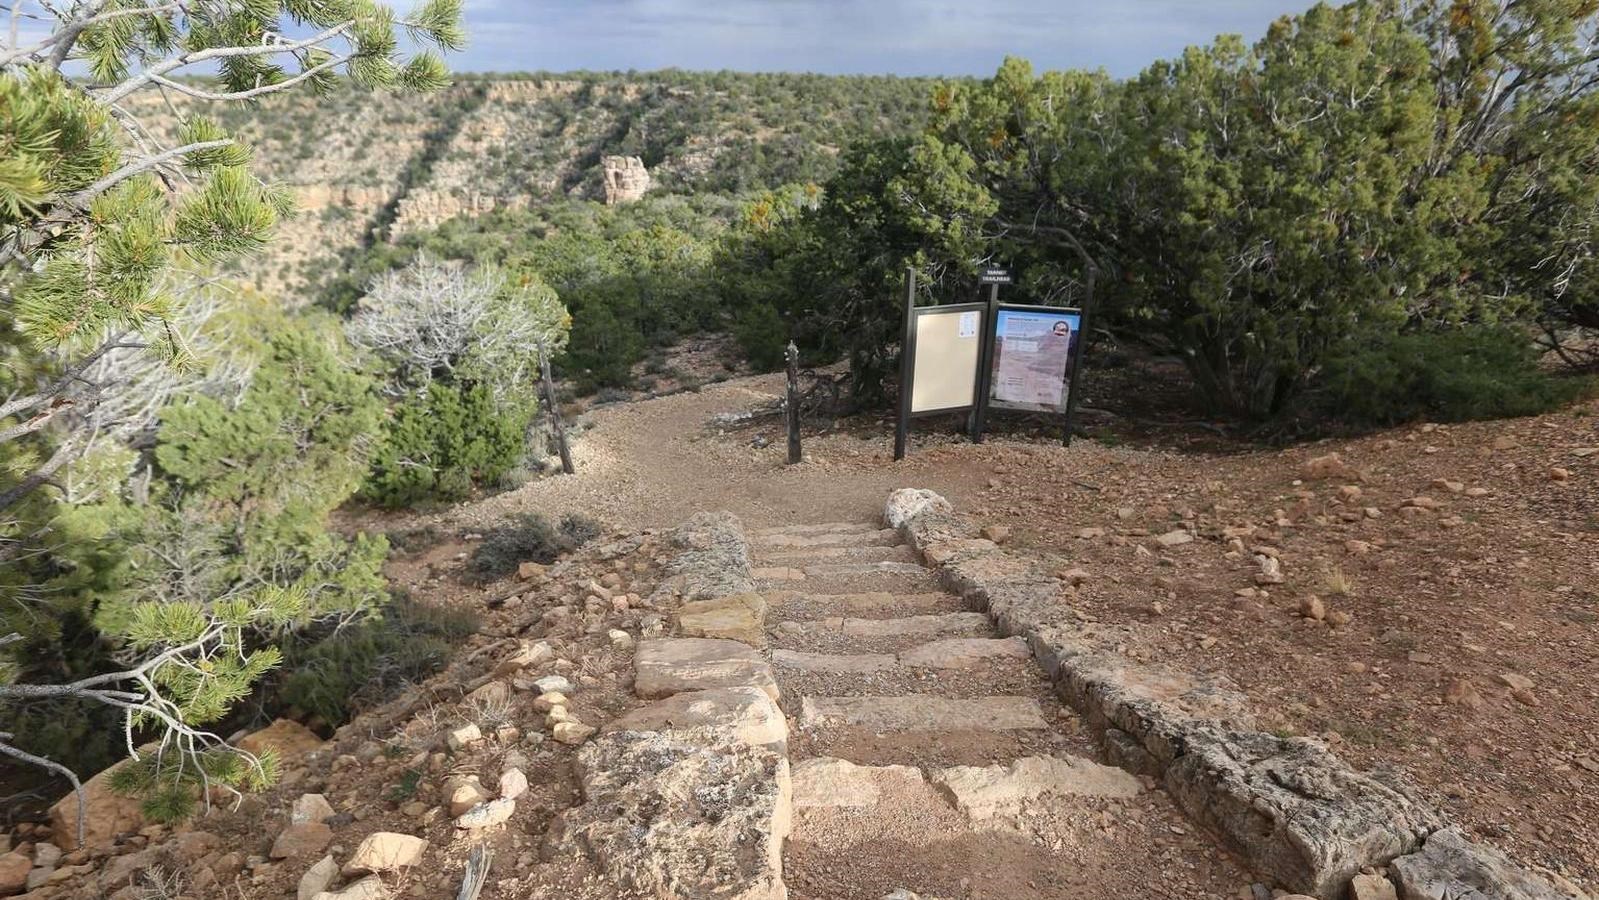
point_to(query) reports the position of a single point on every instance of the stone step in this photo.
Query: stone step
(923, 713)
(863, 605)
(913, 580)
(886, 567)
(822, 528)
(955, 653)
(883, 537)
(901, 553)
(969, 623)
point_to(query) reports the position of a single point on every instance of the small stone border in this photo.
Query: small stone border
(690, 797)
(1289, 807)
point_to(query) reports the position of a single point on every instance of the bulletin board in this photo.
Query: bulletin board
(946, 348)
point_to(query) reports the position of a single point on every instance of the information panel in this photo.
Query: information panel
(1032, 357)
(947, 345)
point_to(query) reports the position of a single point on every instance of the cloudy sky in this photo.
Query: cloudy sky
(908, 37)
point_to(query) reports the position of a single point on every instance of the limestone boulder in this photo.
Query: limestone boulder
(14, 869)
(668, 666)
(303, 841)
(385, 851)
(108, 814)
(681, 819)
(1294, 810)
(740, 617)
(982, 792)
(906, 504)
(744, 714)
(369, 888)
(287, 737)
(310, 808)
(1451, 866)
(710, 559)
(317, 878)
(826, 783)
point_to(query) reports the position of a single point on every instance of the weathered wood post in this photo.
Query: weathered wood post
(792, 355)
(554, 410)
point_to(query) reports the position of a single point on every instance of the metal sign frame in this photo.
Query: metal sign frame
(989, 330)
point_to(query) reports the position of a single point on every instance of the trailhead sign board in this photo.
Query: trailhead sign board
(947, 344)
(970, 357)
(1032, 358)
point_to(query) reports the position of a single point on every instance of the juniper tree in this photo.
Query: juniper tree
(100, 220)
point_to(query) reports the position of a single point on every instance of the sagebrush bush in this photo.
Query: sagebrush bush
(1475, 372)
(528, 538)
(442, 445)
(363, 664)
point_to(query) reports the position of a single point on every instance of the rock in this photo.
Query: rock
(555, 684)
(1505, 442)
(529, 571)
(1175, 538)
(1461, 692)
(572, 732)
(369, 888)
(1516, 682)
(458, 739)
(1332, 465)
(1075, 577)
(710, 560)
(1293, 810)
(1338, 618)
(317, 878)
(672, 818)
(620, 640)
(1312, 607)
(740, 617)
(192, 846)
(464, 794)
(546, 702)
(107, 814)
(981, 792)
(310, 808)
(626, 179)
(14, 869)
(672, 665)
(908, 503)
(121, 870)
(1451, 866)
(528, 654)
(289, 738)
(825, 782)
(385, 851)
(1559, 474)
(301, 841)
(745, 714)
(484, 815)
(45, 856)
(999, 534)
(1372, 887)
(513, 783)
(491, 695)
(961, 653)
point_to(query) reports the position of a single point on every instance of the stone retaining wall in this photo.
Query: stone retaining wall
(689, 797)
(1289, 807)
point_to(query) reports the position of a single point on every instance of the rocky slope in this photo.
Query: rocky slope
(369, 166)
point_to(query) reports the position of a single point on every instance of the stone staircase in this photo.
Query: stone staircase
(931, 755)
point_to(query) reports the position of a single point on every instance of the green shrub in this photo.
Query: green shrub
(363, 664)
(1475, 372)
(443, 444)
(763, 335)
(528, 538)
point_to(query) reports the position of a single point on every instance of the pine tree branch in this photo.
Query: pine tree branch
(30, 402)
(70, 34)
(59, 769)
(43, 474)
(165, 67)
(252, 92)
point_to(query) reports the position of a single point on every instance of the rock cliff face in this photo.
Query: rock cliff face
(626, 179)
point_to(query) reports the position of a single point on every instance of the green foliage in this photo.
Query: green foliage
(361, 665)
(1444, 376)
(443, 443)
(528, 537)
(763, 335)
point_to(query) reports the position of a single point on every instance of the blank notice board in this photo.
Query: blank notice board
(945, 359)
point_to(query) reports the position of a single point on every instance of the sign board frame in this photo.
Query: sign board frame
(1067, 376)
(962, 316)
(989, 315)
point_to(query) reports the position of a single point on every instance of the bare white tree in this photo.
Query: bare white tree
(439, 320)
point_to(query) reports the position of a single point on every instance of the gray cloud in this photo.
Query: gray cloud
(912, 37)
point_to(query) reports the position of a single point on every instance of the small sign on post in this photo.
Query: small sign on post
(995, 276)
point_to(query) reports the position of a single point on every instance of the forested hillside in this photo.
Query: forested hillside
(366, 165)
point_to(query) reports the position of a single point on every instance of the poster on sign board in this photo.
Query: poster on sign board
(1032, 358)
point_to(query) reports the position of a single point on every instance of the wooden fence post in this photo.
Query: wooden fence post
(554, 410)
(792, 355)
